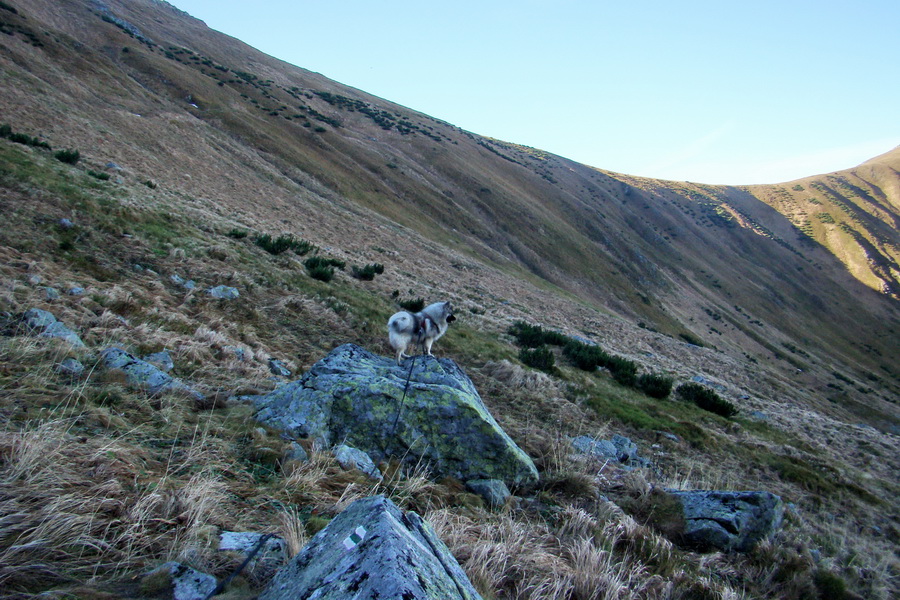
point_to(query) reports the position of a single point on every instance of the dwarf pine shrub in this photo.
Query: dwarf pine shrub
(532, 336)
(706, 399)
(412, 305)
(70, 157)
(322, 268)
(584, 356)
(654, 385)
(368, 272)
(538, 358)
(283, 243)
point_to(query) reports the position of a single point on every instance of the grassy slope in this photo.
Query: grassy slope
(230, 164)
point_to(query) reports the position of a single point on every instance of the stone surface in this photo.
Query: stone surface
(163, 360)
(223, 292)
(373, 550)
(729, 521)
(276, 367)
(618, 448)
(70, 368)
(356, 397)
(46, 325)
(493, 491)
(268, 559)
(351, 458)
(186, 583)
(144, 375)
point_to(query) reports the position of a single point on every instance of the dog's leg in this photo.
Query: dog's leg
(428, 343)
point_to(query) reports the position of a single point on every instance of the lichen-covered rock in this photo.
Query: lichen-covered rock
(373, 550)
(144, 375)
(356, 397)
(71, 368)
(46, 324)
(729, 521)
(618, 448)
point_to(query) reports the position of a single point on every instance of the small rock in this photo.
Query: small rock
(143, 375)
(185, 582)
(65, 223)
(277, 368)
(728, 521)
(163, 360)
(75, 291)
(113, 166)
(351, 458)
(297, 453)
(223, 292)
(268, 559)
(43, 321)
(759, 415)
(51, 294)
(70, 368)
(35, 279)
(239, 353)
(494, 491)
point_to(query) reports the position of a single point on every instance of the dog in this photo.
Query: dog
(405, 328)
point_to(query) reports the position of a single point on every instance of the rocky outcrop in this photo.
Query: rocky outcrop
(356, 397)
(373, 550)
(729, 521)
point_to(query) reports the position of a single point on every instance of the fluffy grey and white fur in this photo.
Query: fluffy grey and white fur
(405, 328)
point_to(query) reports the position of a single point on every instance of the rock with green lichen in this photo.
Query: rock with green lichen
(353, 396)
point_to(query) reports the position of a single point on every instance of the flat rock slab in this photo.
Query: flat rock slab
(373, 550)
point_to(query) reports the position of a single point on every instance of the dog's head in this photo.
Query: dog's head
(448, 312)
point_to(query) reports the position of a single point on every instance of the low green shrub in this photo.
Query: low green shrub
(283, 243)
(69, 157)
(654, 385)
(538, 358)
(98, 175)
(585, 356)
(532, 336)
(412, 305)
(322, 268)
(368, 272)
(624, 371)
(706, 399)
(238, 234)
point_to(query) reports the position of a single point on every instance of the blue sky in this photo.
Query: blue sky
(705, 91)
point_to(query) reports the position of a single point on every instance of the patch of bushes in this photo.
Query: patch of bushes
(283, 243)
(690, 338)
(21, 138)
(70, 157)
(585, 356)
(238, 234)
(368, 272)
(412, 306)
(654, 385)
(706, 399)
(538, 358)
(532, 336)
(98, 175)
(322, 268)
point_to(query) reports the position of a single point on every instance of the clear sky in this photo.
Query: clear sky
(716, 91)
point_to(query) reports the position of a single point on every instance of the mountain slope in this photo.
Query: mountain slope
(791, 288)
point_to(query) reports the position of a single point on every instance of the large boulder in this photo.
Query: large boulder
(356, 397)
(373, 550)
(729, 521)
